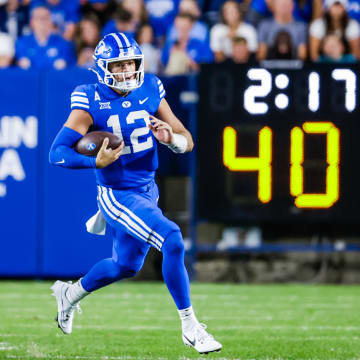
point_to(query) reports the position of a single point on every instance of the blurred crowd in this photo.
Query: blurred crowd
(177, 35)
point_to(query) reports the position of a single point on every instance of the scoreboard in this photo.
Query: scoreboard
(279, 145)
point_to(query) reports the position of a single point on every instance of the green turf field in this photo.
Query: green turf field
(130, 320)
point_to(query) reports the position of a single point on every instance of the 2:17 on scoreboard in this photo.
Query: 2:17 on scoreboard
(293, 130)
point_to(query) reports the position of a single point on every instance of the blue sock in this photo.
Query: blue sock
(106, 272)
(174, 270)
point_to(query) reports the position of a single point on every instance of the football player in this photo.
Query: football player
(125, 101)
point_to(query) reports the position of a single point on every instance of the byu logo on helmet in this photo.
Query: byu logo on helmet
(101, 49)
(114, 48)
(91, 146)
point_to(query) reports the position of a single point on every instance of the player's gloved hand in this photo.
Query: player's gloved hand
(161, 130)
(107, 156)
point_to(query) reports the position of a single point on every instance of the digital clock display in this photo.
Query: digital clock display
(277, 145)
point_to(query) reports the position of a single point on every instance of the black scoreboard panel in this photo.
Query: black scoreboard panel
(279, 145)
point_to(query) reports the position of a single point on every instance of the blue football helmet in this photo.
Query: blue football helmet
(117, 47)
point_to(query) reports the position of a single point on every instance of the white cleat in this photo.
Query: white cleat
(65, 315)
(201, 340)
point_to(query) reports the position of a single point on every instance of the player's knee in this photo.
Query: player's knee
(114, 273)
(129, 270)
(174, 244)
(117, 272)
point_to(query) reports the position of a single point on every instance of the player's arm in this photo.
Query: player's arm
(62, 152)
(169, 130)
(79, 121)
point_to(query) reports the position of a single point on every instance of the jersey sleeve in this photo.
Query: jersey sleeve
(162, 91)
(80, 98)
(154, 89)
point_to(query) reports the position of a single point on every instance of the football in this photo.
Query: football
(90, 143)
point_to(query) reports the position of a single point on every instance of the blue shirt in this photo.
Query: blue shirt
(45, 56)
(353, 9)
(161, 14)
(199, 31)
(66, 11)
(128, 118)
(199, 51)
(110, 27)
(261, 7)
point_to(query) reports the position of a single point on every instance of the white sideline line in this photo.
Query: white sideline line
(245, 308)
(244, 301)
(312, 338)
(277, 303)
(126, 295)
(231, 327)
(241, 317)
(4, 346)
(23, 309)
(19, 335)
(285, 305)
(104, 357)
(287, 338)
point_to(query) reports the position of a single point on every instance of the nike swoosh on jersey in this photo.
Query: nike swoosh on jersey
(60, 162)
(142, 101)
(191, 342)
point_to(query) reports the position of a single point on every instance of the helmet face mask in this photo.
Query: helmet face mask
(117, 47)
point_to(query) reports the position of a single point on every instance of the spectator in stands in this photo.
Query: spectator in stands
(304, 10)
(232, 25)
(43, 49)
(282, 47)
(87, 36)
(103, 9)
(64, 15)
(333, 50)
(180, 63)
(199, 30)
(337, 21)
(122, 22)
(14, 18)
(282, 21)
(161, 16)
(137, 10)
(185, 54)
(7, 50)
(211, 10)
(145, 39)
(240, 53)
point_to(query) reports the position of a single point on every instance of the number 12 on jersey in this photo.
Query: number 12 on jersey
(133, 116)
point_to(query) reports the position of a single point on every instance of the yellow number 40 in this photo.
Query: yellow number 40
(262, 163)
